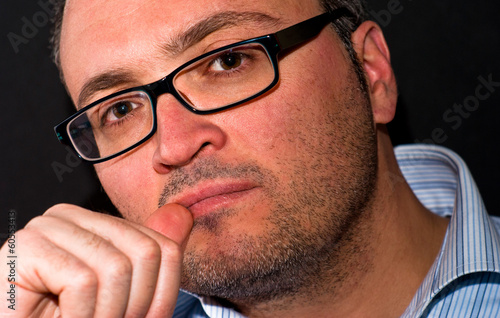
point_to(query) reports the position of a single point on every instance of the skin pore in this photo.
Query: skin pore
(298, 216)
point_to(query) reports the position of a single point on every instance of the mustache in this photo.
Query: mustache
(205, 169)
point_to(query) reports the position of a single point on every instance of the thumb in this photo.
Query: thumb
(173, 221)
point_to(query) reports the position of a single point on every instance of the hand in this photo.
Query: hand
(72, 262)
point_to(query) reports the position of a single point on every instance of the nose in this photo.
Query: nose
(182, 135)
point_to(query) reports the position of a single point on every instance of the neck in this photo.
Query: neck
(381, 262)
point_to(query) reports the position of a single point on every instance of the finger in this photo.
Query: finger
(145, 248)
(43, 268)
(175, 222)
(111, 266)
(171, 220)
(142, 251)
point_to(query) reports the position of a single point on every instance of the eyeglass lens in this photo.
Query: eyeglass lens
(218, 80)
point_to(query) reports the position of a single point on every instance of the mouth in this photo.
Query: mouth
(206, 198)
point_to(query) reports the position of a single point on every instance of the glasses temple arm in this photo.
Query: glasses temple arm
(296, 34)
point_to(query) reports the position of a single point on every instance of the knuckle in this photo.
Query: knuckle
(172, 250)
(118, 265)
(61, 208)
(29, 238)
(148, 249)
(35, 222)
(25, 235)
(58, 208)
(85, 279)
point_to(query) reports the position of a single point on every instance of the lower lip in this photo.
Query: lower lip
(212, 204)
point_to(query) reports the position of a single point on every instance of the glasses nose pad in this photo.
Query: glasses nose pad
(162, 86)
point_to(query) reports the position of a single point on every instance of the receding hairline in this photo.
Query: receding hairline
(357, 7)
(344, 26)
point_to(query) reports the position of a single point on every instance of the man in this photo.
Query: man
(256, 195)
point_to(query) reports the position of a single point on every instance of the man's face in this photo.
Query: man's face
(274, 184)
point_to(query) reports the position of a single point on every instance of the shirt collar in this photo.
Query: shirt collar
(443, 183)
(192, 305)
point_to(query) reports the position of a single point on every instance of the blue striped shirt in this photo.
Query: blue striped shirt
(464, 280)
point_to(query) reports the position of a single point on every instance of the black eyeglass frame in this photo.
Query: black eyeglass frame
(273, 44)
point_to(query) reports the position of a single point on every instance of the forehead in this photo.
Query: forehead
(104, 34)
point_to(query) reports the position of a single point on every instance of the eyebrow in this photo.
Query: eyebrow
(216, 22)
(176, 45)
(102, 82)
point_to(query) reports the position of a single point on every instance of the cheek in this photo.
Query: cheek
(129, 184)
(302, 121)
(297, 105)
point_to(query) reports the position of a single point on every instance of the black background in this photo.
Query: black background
(439, 52)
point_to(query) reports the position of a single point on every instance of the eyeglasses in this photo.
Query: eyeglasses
(215, 81)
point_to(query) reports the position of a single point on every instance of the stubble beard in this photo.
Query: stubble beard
(313, 229)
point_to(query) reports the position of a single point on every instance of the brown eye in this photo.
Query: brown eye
(122, 109)
(227, 61)
(230, 61)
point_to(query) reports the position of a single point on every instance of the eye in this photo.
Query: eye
(119, 111)
(228, 61)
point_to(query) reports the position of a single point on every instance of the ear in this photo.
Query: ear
(373, 53)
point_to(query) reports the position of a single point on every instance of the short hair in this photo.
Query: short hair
(55, 39)
(344, 28)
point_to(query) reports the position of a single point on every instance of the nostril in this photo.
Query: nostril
(204, 145)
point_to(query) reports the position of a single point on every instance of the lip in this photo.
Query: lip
(208, 197)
